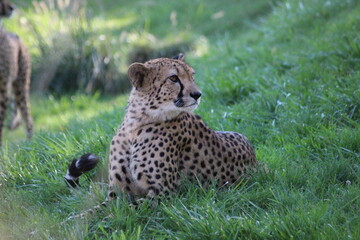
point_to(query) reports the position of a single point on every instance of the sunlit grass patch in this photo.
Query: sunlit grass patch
(56, 114)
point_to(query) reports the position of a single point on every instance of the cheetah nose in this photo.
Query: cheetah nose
(195, 95)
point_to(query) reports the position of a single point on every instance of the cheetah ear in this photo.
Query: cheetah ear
(137, 73)
(180, 57)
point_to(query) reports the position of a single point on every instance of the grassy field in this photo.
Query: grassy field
(284, 73)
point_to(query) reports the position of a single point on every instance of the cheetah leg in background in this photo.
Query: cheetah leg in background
(21, 89)
(3, 104)
(15, 116)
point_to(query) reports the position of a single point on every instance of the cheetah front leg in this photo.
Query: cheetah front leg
(23, 103)
(21, 90)
(154, 171)
(14, 115)
(120, 179)
(3, 104)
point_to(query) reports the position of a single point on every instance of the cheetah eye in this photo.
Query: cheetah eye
(174, 78)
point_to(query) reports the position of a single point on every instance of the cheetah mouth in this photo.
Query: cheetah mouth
(181, 104)
(193, 104)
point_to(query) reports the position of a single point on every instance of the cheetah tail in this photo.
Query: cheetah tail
(79, 166)
(90, 211)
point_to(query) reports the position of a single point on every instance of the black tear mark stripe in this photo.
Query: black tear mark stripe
(181, 93)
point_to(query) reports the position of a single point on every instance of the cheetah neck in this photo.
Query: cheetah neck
(138, 114)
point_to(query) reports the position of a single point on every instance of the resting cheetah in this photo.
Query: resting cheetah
(14, 72)
(161, 139)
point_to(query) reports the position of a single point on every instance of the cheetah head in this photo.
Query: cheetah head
(6, 8)
(164, 87)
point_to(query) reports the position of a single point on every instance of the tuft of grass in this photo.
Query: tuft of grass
(287, 78)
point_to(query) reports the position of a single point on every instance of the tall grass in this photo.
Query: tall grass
(86, 46)
(287, 78)
(69, 55)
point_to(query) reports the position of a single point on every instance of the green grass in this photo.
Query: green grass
(287, 77)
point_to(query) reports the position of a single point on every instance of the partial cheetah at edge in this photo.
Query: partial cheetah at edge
(15, 72)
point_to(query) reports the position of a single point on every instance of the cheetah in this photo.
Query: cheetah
(14, 73)
(161, 139)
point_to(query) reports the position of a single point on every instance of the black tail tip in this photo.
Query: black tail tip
(79, 166)
(71, 183)
(86, 162)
